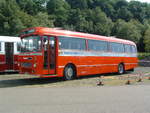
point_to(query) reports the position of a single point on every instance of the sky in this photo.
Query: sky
(148, 1)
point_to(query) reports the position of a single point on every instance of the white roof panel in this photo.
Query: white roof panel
(9, 39)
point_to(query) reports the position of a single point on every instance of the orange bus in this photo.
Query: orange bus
(50, 52)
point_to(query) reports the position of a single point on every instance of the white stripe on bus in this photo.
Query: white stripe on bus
(98, 65)
(89, 53)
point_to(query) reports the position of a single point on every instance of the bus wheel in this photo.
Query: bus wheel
(69, 72)
(121, 69)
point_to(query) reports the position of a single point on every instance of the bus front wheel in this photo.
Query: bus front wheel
(69, 72)
(121, 69)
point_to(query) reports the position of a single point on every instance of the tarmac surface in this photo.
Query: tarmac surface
(29, 94)
(116, 99)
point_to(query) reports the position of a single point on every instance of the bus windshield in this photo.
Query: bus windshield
(31, 44)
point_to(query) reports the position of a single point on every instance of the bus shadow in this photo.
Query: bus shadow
(28, 82)
(6, 73)
(42, 81)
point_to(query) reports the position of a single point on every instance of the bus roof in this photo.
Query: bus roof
(60, 32)
(9, 39)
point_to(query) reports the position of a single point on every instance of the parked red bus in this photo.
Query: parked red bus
(50, 52)
(9, 50)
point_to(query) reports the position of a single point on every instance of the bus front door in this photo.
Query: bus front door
(49, 54)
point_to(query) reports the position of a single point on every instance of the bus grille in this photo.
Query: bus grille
(26, 65)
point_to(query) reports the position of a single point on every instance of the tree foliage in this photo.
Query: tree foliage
(118, 18)
(147, 40)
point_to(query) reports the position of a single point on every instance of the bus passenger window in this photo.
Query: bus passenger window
(134, 50)
(97, 45)
(128, 48)
(116, 47)
(72, 43)
(18, 46)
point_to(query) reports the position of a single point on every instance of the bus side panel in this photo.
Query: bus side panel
(98, 65)
(63, 61)
(2, 63)
(88, 65)
(85, 65)
(130, 62)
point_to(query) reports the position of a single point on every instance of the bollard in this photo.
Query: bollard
(100, 83)
(140, 78)
(128, 81)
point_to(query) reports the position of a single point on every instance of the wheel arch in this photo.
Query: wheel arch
(74, 67)
(122, 64)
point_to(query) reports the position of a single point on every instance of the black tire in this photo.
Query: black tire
(69, 72)
(121, 69)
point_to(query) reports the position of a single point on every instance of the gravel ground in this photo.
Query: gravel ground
(17, 80)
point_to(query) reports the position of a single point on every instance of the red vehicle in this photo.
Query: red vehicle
(50, 52)
(9, 50)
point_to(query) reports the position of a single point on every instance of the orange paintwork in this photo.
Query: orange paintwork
(85, 65)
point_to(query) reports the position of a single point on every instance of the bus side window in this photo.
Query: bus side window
(95, 45)
(72, 43)
(116, 47)
(133, 48)
(18, 46)
(128, 48)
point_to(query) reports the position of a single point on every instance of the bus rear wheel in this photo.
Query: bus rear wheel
(69, 72)
(121, 69)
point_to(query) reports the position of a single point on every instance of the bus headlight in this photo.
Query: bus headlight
(34, 65)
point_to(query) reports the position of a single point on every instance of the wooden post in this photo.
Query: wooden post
(128, 81)
(140, 78)
(100, 82)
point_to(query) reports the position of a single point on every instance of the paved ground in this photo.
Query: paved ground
(118, 99)
(29, 94)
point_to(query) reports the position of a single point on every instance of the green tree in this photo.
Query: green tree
(60, 11)
(138, 10)
(32, 7)
(102, 24)
(44, 20)
(125, 14)
(81, 4)
(147, 40)
(10, 24)
(127, 30)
